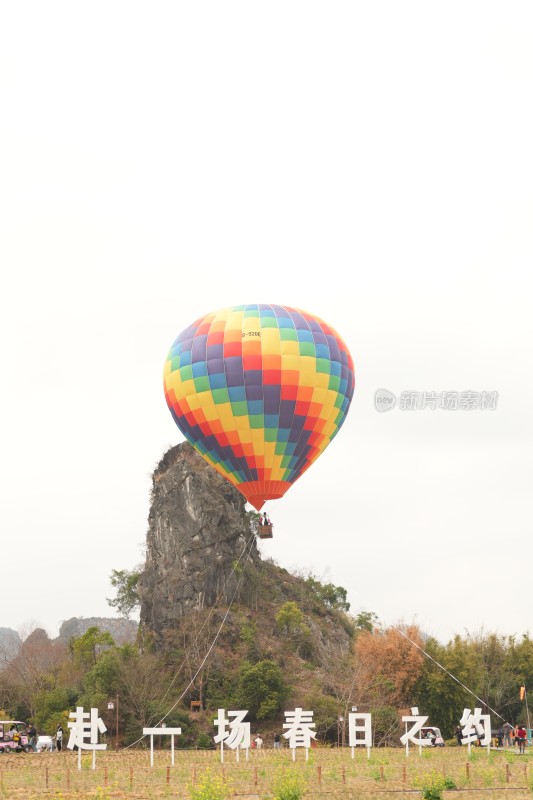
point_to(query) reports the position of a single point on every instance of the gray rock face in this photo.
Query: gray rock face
(198, 530)
(10, 643)
(122, 630)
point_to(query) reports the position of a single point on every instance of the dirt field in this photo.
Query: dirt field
(330, 772)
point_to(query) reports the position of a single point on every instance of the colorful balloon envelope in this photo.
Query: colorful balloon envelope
(260, 391)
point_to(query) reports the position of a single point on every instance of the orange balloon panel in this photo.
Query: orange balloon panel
(259, 391)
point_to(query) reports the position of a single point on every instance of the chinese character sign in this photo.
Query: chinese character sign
(238, 734)
(151, 732)
(84, 730)
(418, 721)
(475, 726)
(299, 724)
(360, 730)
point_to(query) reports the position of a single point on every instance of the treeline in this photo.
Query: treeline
(47, 679)
(385, 671)
(394, 672)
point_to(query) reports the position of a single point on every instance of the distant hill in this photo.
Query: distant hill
(122, 630)
(10, 643)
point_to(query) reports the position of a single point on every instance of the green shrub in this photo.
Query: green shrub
(204, 741)
(290, 619)
(261, 689)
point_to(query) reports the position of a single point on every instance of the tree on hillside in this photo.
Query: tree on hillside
(262, 689)
(126, 583)
(52, 708)
(290, 621)
(389, 664)
(366, 621)
(90, 645)
(332, 596)
(101, 681)
(325, 716)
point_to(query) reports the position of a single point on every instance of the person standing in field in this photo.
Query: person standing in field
(59, 738)
(522, 738)
(499, 736)
(507, 728)
(32, 736)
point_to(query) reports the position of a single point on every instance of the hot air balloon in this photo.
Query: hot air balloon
(260, 391)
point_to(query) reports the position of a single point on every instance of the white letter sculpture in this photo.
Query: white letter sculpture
(475, 726)
(85, 726)
(151, 732)
(238, 736)
(418, 721)
(364, 727)
(299, 733)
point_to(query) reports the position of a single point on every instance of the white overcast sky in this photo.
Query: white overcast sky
(369, 162)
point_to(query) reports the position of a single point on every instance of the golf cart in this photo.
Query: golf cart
(14, 737)
(431, 736)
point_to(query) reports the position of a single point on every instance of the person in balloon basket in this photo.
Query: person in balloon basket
(265, 519)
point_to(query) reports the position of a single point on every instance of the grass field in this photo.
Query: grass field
(329, 772)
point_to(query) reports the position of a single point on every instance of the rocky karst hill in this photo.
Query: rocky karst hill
(220, 627)
(198, 531)
(10, 643)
